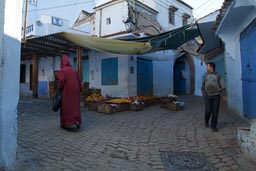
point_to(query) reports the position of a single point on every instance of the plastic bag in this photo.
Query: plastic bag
(56, 101)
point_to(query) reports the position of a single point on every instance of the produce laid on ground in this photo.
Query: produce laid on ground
(109, 104)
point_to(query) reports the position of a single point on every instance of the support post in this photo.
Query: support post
(35, 76)
(79, 54)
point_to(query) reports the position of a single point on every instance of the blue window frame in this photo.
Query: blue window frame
(109, 71)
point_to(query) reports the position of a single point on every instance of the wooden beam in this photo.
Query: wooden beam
(79, 61)
(34, 76)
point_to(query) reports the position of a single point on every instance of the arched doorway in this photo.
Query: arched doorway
(184, 75)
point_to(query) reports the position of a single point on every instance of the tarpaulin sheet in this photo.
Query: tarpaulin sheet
(167, 40)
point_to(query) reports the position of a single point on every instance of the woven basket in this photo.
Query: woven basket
(173, 106)
(122, 107)
(134, 107)
(93, 106)
(106, 108)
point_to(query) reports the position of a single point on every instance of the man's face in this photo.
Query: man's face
(209, 68)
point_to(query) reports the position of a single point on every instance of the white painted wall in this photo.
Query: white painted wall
(67, 9)
(46, 68)
(233, 62)
(234, 72)
(162, 77)
(162, 71)
(110, 11)
(210, 17)
(132, 83)
(162, 63)
(163, 17)
(200, 69)
(120, 90)
(127, 81)
(120, 7)
(10, 26)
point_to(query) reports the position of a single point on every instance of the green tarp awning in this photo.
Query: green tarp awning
(164, 41)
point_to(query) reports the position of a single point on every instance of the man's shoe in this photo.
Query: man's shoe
(215, 129)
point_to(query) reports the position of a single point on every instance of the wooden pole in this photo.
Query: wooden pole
(25, 22)
(79, 54)
(35, 76)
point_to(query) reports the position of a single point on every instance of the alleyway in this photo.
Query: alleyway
(128, 141)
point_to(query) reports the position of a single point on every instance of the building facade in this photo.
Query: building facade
(239, 52)
(135, 19)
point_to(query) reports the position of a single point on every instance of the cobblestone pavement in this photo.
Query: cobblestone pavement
(125, 141)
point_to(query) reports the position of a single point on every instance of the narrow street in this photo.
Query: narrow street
(129, 141)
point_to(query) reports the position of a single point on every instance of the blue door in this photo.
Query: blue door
(248, 62)
(178, 78)
(144, 77)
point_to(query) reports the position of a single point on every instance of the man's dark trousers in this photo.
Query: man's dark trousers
(212, 105)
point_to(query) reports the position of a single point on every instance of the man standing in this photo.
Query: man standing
(70, 86)
(213, 87)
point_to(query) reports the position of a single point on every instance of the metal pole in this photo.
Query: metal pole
(25, 22)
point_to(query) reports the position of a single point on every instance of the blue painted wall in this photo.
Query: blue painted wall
(43, 88)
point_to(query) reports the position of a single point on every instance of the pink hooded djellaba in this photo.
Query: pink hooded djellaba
(70, 84)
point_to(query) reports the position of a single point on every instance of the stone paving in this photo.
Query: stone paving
(125, 141)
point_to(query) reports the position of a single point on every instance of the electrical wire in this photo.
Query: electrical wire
(206, 7)
(61, 6)
(162, 4)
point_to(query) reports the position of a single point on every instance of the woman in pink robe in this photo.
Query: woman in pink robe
(70, 85)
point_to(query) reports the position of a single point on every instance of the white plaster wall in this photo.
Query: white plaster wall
(162, 77)
(66, 9)
(9, 85)
(2, 162)
(210, 17)
(234, 72)
(150, 3)
(56, 63)
(132, 83)
(127, 81)
(162, 63)
(200, 69)
(120, 90)
(45, 69)
(163, 16)
(111, 11)
(233, 63)
(46, 27)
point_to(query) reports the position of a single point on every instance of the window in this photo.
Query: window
(172, 11)
(108, 21)
(57, 21)
(30, 29)
(185, 18)
(33, 2)
(109, 71)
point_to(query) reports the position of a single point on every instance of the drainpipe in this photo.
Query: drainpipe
(100, 23)
(25, 22)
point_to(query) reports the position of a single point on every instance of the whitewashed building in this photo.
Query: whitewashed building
(139, 19)
(64, 9)
(136, 19)
(10, 26)
(236, 28)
